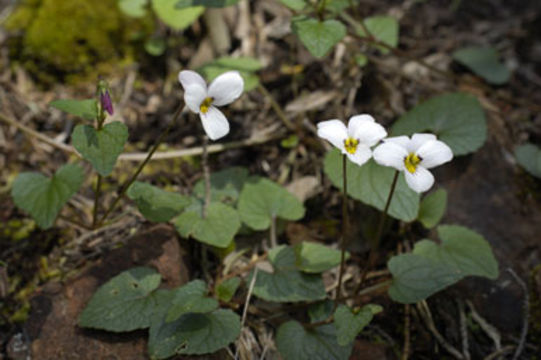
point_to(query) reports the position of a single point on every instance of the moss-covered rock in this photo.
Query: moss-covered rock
(74, 38)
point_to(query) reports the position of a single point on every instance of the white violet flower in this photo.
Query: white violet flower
(204, 100)
(354, 141)
(414, 156)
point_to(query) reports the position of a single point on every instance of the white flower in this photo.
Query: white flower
(414, 156)
(355, 140)
(225, 89)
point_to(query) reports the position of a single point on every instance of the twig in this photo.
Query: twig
(463, 330)
(214, 148)
(246, 304)
(39, 136)
(499, 352)
(490, 330)
(96, 200)
(276, 107)
(526, 314)
(424, 310)
(406, 347)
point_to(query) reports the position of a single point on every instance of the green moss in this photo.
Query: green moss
(71, 39)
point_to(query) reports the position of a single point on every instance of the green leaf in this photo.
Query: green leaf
(431, 267)
(86, 109)
(296, 5)
(318, 36)
(529, 157)
(433, 208)
(44, 197)
(483, 61)
(155, 46)
(261, 200)
(133, 8)
(206, 3)
(457, 119)
(383, 28)
(227, 288)
(126, 302)
(294, 342)
(316, 258)
(100, 147)
(225, 185)
(286, 283)
(217, 229)
(190, 298)
(371, 183)
(349, 324)
(246, 66)
(176, 18)
(361, 60)
(193, 334)
(320, 311)
(155, 204)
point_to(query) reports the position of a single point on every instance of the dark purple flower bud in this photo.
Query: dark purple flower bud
(106, 103)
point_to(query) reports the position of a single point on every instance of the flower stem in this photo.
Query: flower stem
(96, 201)
(125, 186)
(344, 229)
(375, 245)
(206, 174)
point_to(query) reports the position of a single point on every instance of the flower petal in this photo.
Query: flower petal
(434, 153)
(366, 130)
(418, 140)
(188, 78)
(421, 180)
(226, 88)
(333, 131)
(403, 141)
(390, 154)
(215, 123)
(194, 96)
(361, 156)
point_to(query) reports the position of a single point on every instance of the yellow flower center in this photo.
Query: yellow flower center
(205, 105)
(351, 145)
(411, 161)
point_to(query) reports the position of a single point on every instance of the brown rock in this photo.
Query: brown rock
(52, 325)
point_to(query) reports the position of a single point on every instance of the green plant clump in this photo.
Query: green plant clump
(87, 37)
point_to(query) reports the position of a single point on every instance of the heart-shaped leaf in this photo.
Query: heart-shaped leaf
(457, 119)
(350, 323)
(217, 229)
(225, 185)
(176, 18)
(318, 36)
(190, 298)
(101, 147)
(133, 8)
(371, 183)
(316, 258)
(193, 334)
(383, 28)
(286, 283)
(156, 204)
(227, 288)
(294, 342)
(484, 62)
(44, 197)
(529, 157)
(126, 302)
(86, 109)
(433, 208)
(262, 200)
(431, 267)
(246, 66)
